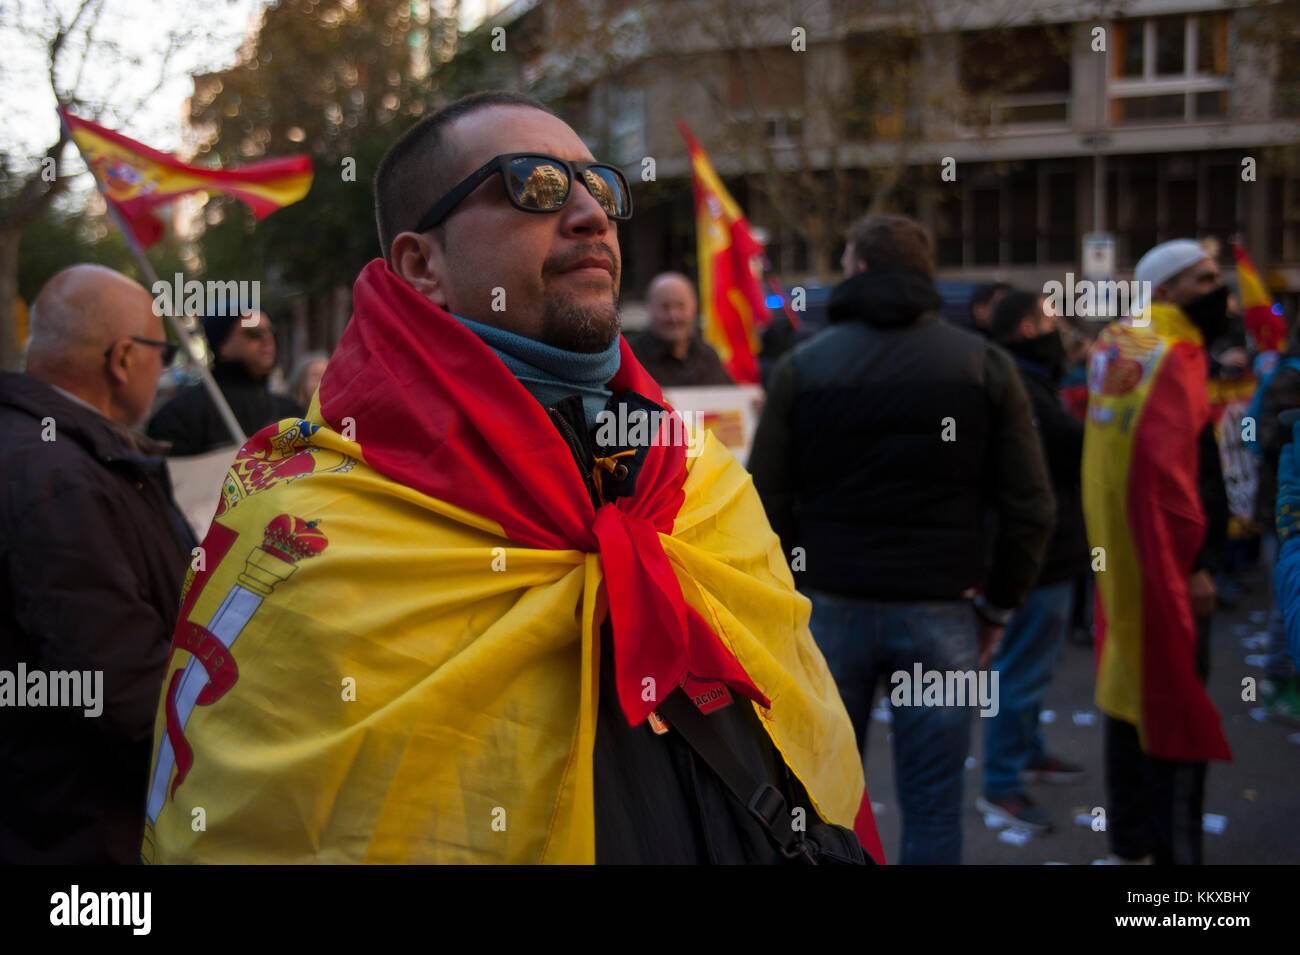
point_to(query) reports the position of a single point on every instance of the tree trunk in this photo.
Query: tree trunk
(820, 254)
(10, 347)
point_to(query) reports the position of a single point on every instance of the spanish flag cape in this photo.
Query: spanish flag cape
(389, 649)
(1147, 406)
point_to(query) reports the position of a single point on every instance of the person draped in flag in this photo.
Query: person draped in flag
(440, 620)
(1153, 500)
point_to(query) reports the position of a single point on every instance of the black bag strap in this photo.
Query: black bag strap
(763, 800)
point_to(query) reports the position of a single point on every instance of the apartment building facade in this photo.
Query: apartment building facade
(1011, 135)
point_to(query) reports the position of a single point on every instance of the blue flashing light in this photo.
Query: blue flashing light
(773, 300)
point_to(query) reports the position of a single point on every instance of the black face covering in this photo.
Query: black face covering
(1046, 351)
(1210, 313)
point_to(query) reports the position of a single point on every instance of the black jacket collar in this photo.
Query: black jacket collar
(234, 373)
(887, 297)
(102, 437)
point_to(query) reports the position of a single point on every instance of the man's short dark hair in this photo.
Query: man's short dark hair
(415, 172)
(885, 240)
(1012, 309)
(985, 293)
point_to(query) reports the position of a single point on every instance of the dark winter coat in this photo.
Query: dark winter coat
(883, 442)
(191, 423)
(93, 554)
(1062, 437)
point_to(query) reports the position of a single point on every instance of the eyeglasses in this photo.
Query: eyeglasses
(538, 183)
(169, 349)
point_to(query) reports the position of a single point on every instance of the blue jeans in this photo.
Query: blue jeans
(864, 640)
(1029, 647)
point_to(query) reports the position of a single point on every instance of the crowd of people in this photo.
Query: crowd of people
(437, 617)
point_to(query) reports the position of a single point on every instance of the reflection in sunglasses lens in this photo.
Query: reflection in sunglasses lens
(602, 190)
(545, 188)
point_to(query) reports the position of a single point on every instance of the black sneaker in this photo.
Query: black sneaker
(1053, 769)
(1015, 809)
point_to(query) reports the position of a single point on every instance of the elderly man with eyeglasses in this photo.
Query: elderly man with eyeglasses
(93, 553)
(474, 608)
(244, 357)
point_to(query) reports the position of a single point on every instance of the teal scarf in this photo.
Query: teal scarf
(551, 374)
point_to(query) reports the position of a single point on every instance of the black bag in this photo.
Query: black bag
(822, 844)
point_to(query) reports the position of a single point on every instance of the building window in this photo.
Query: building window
(880, 94)
(1060, 227)
(627, 125)
(1023, 216)
(1287, 87)
(765, 88)
(986, 214)
(948, 231)
(1031, 87)
(1170, 69)
(1152, 199)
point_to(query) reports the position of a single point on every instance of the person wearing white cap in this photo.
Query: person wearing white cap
(1153, 500)
(1180, 272)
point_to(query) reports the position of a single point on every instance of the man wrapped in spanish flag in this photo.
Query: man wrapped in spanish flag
(1155, 509)
(490, 601)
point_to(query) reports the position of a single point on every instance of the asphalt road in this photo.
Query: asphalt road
(1257, 794)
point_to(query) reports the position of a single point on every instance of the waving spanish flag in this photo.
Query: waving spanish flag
(1147, 408)
(392, 651)
(136, 179)
(1267, 329)
(731, 298)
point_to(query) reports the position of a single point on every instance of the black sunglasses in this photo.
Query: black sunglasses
(535, 182)
(169, 349)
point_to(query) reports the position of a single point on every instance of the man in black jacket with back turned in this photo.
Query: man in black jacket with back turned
(881, 446)
(1014, 751)
(92, 555)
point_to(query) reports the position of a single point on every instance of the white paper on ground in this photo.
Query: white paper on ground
(1015, 836)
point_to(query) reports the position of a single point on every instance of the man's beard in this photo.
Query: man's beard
(586, 329)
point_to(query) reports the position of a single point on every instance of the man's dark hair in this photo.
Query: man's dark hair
(1012, 309)
(414, 173)
(884, 240)
(986, 293)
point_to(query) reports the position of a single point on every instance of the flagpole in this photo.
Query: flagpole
(151, 277)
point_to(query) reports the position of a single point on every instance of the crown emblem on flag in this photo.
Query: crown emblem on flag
(292, 538)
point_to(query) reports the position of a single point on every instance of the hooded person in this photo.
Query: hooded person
(244, 354)
(1155, 509)
(883, 444)
(447, 617)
